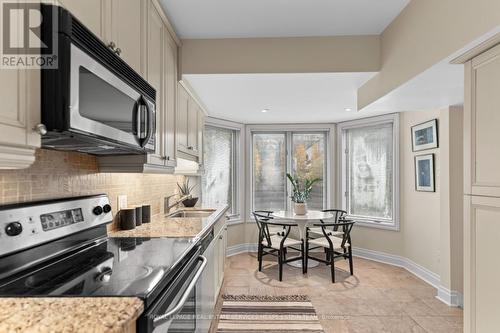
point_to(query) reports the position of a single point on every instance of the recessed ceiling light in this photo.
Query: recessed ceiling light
(348, 109)
(264, 110)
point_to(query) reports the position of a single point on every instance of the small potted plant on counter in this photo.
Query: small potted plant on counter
(300, 195)
(186, 190)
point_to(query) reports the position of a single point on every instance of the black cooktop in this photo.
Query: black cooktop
(139, 267)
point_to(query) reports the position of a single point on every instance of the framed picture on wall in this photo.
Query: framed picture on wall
(424, 173)
(425, 136)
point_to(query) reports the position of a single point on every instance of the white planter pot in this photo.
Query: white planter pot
(300, 208)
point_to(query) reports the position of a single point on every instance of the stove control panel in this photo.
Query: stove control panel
(29, 224)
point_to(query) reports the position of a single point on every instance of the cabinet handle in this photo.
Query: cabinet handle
(112, 45)
(167, 158)
(220, 237)
(118, 51)
(40, 129)
(190, 147)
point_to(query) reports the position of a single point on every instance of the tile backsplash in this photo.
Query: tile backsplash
(62, 174)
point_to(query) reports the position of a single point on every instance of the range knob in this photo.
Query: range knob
(106, 208)
(97, 210)
(13, 229)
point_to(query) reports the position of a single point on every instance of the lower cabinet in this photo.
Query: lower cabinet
(482, 272)
(210, 283)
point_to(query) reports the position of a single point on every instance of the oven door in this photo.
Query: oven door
(104, 105)
(176, 309)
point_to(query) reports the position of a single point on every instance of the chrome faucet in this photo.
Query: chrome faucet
(168, 206)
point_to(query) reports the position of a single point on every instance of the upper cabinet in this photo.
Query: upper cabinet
(160, 70)
(481, 123)
(190, 124)
(120, 24)
(19, 115)
(128, 25)
(94, 14)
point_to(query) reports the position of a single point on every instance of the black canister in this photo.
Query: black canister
(146, 213)
(138, 215)
(127, 218)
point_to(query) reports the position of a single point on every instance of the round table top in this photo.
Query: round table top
(311, 215)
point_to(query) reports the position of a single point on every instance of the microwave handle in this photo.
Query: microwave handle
(178, 307)
(138, 128)
(151, 123)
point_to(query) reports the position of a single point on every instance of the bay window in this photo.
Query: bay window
(219, 185)
(369, 170)
(274, 154)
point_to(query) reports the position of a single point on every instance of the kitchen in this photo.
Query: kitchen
(171, 166)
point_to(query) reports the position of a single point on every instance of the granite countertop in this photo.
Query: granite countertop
(69, 314)
(164, 226)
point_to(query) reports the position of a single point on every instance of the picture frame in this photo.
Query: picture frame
(424, 173)
(425, 135)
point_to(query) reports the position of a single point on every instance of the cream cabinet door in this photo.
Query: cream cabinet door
(128, 31)
(200, 129)
(193, 112)
(155, 78)
(482, 271)
(182, 119)
(482, 124)
(20, 112)
(170, 63)
(94, 14)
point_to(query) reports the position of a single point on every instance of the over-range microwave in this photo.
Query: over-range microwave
(93, 102)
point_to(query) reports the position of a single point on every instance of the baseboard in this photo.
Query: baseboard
(394, 260)
(449, 297)
(241, 248)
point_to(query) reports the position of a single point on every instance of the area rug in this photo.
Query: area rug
(270, 314)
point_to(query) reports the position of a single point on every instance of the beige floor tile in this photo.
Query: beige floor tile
(378, 298)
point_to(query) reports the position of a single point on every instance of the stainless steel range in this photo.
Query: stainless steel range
(60, 248)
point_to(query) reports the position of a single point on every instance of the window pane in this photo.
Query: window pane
(217, 187)
(309, 163)
(370, 171)
(269, 169)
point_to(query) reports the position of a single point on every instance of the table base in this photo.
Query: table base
(298, 264)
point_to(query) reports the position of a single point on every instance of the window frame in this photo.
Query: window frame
(288, 130)
(343, 174)
(237, 177)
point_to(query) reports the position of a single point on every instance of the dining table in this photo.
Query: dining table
(302, 221)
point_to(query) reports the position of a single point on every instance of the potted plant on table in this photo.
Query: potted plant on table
(186, 190)
(301, 194)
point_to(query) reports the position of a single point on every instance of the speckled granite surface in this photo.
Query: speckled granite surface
(161, 226)
(164, 227)
(74, 314)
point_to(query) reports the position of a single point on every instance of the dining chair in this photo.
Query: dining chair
(273, 230)
(338, 214)
(277, 244)
(336, 247)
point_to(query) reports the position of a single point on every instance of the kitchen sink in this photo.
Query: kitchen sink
(192, 213)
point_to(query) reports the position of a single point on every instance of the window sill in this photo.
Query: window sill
(235, 220)
(375, 225)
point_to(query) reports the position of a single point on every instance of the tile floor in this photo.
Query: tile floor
(378, 298)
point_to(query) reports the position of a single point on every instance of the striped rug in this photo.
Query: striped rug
(270, 314)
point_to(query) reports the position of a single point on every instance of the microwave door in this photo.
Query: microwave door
(102, 104)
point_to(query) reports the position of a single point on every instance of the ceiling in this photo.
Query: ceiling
(290, 98)
(280, 18)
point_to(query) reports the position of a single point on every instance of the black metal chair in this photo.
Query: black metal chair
(338, 214)
(336, 247)
(273, 230)
(277, 244)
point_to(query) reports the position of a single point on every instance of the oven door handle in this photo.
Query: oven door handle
(166, 316)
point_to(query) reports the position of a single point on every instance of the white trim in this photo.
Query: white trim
(241, 248)
(341, 167)
(451, 298)
(329, 129)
